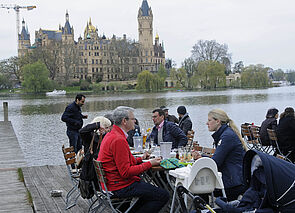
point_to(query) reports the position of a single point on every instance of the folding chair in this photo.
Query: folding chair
(203, 178)
(190, 137)
(274, 141)
(248, 137)
(105, 198)
(74, 174)
(256, 137)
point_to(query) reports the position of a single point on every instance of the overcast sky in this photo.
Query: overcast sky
(256, 31)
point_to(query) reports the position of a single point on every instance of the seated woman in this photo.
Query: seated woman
(98, 127)
(269, 123)
(230, 150)
(286, 133)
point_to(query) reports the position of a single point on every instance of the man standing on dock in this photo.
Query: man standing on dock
(74, 120)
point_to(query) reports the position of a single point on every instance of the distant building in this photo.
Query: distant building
(233, 78)
(96, 57)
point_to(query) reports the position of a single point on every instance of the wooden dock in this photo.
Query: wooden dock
(13, 194)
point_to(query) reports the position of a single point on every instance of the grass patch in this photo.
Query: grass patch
(20, 175)
(29, 198)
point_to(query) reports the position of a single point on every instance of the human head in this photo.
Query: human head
(158, 116)
(181, 110)
(105, 123)
(110, 117)
(165, 109)
(80, 99)
(289, 112)
(272, 112)
(219, 117)
(124, 117)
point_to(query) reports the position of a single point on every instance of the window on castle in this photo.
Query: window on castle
(151, 60)
(100, 61)
(89, 53)
(92, 61)
(146, 53)
(151, 53)
(146, 60)
(96, 61)
(100, 69)
(92, 69)
(81, 69)
(105, 54)
(85, 61)
(96, 69)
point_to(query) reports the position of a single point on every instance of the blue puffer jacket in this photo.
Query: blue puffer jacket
(73, 117)
(229, 156)
(171, 133)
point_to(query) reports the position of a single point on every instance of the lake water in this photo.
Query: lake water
(41, 133)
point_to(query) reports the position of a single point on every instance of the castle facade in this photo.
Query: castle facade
(95, 56)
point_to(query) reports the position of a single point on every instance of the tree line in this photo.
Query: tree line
(206, 68)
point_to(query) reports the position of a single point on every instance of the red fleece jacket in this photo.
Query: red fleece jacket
(120, 167)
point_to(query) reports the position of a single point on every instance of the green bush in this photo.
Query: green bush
(85, 85)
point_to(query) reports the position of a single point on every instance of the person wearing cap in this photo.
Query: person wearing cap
(185, 123)
(269, 123)
(286, 133)
(166, 131)
(168, 117)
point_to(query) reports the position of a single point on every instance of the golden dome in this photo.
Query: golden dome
(89, 27)
(157, 36)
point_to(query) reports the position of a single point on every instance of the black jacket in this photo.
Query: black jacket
(286, 134)
(172, 118)
(171, 133)
(87, 134)
(268, 123)
(185, 123)
(73, 117)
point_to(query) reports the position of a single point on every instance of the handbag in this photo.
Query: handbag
(79, 158)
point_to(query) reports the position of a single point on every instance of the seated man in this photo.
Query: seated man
(122, 169)
(168, 117)
(166, 131)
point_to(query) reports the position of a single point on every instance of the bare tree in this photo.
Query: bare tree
(211, 51)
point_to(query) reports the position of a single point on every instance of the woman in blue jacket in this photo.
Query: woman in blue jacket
(230, 150)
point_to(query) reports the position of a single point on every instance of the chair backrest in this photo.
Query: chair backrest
(69, 155)
(246, 132)
(100, 173)
(208, 151)
(272, 135)
(190, 135)
(204, 177)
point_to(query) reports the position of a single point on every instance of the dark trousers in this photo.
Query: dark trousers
(75, 139)
(151, 198)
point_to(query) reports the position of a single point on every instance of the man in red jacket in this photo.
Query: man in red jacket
(122, 169)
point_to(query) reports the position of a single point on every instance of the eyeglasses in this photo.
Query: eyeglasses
(130, 118)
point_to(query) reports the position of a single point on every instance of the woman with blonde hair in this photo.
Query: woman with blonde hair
(230, 150)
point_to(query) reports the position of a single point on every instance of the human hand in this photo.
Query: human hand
(145, 156)
(196, 155)
(156, 161)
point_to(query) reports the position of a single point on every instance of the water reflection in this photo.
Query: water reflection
(41, 133)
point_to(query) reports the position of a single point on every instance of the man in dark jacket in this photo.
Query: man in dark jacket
(74, 120)
(168, 117)
(269, 123)
(185, 123)
(166, 131)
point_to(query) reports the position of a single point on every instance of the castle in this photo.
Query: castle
(96, 57)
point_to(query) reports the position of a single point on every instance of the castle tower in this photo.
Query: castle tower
(67, 31)
(145, 32)
(24, 42)
(90, 31)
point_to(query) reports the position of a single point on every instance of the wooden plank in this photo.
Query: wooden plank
(13, 193)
